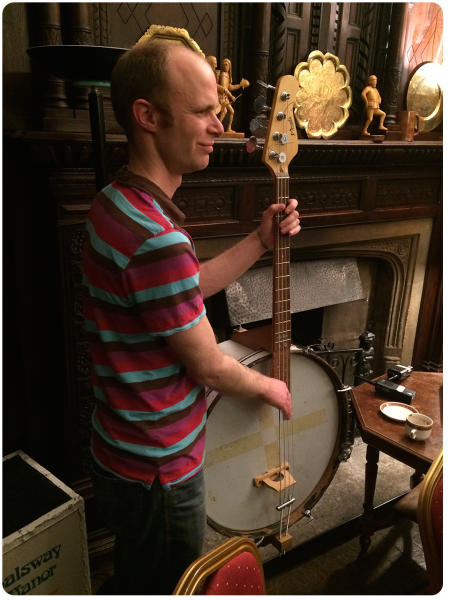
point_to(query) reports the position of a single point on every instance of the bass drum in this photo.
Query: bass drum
(242, 442)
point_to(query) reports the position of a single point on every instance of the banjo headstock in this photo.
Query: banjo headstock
(281, 144)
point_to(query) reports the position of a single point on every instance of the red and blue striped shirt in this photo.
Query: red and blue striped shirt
(140, 285)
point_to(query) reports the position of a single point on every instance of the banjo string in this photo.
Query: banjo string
(286, 353)
(283, 370)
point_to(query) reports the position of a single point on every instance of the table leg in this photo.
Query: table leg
(367, 520)
(416, 478)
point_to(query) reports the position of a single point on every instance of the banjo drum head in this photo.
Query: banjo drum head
(243, 442)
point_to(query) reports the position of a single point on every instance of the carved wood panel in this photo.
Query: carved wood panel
(207, 206)
(129, 20)
(78, 363)
(410, 191)
(316, 197)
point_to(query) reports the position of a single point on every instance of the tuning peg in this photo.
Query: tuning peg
(281, 156)
(266, 85)
(260, 104)
(283, 138)
(256, 124)
(252, 145)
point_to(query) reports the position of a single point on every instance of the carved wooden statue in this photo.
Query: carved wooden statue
(366, 341)
(372, 99)
(226, 98)
(220, 89)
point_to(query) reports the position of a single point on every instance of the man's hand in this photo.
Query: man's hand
(289, 225)
(278, 395)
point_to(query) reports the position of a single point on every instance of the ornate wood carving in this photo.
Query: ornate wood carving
(316, 197)
(229, 30)
(260, 53)
(412, 192)
(278, 41)
(392, 298)
(359, 72)
(212, 205)
(315, 25)
(79, 27)
(394, 62)
(127, 21)
(78, 33)
(296, 36)
(46, 18)
(100, 23)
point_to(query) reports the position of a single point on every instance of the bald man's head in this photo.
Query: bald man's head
(145, 71)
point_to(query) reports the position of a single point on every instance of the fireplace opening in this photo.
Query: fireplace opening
(306, 327)
(332, 302)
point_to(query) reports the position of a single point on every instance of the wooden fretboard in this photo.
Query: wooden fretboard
(281, 323)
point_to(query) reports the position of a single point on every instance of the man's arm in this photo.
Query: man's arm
(198, 351)
(364, 94)
(219, 272)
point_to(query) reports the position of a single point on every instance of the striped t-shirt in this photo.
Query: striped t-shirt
(140, 285)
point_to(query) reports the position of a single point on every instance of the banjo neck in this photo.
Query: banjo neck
(281, 319)
(280, 147)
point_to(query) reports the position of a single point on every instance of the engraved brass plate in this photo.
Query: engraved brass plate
(426, 95)
(172, 35)
(324, 96)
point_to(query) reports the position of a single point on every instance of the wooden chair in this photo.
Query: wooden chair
(232, 569)
(430, 519)
(424, 505)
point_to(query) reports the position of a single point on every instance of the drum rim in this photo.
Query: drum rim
(341, 450)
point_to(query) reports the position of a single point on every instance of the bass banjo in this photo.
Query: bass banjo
(263, 473)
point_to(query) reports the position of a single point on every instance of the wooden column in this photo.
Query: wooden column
(78, 32)
(394, 62)
(260, 54)
(47, 19)
(278, 42)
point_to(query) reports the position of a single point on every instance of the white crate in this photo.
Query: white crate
(48, 555)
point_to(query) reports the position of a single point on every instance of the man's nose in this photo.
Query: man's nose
(217, 126)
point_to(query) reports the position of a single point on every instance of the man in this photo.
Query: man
(152, 347)
(372, 99)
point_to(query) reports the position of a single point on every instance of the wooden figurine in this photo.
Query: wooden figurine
(220, 89)
(372, 99)
(226, 98)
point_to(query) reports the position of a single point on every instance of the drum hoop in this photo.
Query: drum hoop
(341, 450)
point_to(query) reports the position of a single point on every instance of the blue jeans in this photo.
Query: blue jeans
(159, 533)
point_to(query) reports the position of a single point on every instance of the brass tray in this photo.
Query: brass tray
(324, 96)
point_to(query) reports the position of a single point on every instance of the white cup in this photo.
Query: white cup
(418, 427)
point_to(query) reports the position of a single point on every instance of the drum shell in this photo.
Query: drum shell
(329, 415)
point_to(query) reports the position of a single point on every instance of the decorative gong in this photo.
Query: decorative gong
(324, 96)
(426, 96)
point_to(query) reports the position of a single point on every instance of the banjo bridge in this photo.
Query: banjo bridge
(278, 479)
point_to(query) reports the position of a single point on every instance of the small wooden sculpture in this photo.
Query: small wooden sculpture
(220, 89)
(366, 341)
(226, 98)
(372, 99)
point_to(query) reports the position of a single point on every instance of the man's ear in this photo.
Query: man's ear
(144, 113)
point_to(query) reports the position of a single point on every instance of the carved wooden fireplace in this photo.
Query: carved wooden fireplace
(378, 205)
(356, 200)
